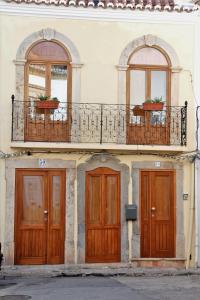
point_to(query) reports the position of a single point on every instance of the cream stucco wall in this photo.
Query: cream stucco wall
(125, 159)
(100, 44)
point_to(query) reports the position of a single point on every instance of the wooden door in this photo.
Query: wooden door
(103, 216)
(157, 214)
(39, 216)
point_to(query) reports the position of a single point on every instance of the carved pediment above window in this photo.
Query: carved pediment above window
(48, 34)
(150, 40)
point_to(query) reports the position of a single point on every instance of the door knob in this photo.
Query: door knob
(153, 208)
(45, 212)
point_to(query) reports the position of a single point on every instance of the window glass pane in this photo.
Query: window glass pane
(56, 188)
(47, 50)
(59, 82)
(36, 80)
(137, 87)
(158, 84)
(148, 56)
(59, 90)
(33, 200)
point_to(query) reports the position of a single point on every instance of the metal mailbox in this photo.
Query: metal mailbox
(131, 212)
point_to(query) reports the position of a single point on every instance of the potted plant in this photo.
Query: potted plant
(44, 103)
(138, 111)
(155, 104)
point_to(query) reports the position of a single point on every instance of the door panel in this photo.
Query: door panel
(157, 214)
(56, 217)
(162, 221)
(31, 226)
(145, 215)
(111, 200)
(39, 217)
(94, 203)
(152, 128)
(102, 215)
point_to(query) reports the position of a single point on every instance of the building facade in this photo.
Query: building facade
(88, 173)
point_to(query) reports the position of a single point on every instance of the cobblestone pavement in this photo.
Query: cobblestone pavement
(101, 288)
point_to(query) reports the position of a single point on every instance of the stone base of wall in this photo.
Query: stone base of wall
(158, 263)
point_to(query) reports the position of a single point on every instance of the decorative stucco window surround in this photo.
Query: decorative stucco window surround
(148, 41)
(47, 34)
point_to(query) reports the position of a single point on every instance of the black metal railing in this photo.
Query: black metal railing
(98, 123)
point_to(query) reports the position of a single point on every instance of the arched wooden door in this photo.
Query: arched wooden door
(103, 233)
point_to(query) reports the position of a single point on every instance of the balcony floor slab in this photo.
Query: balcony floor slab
(96, 147)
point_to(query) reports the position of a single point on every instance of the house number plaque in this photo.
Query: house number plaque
(42, 163)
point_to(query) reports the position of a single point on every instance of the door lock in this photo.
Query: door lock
(153, 208)
(45, 212)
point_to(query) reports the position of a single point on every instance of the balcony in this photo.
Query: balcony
(98, 123)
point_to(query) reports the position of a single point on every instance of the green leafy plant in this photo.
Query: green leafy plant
(155, 100)
(55, 99)
(43, 98)
(148, 101)
(158, 99)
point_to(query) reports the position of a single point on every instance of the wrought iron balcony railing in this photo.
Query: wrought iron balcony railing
(98, 123)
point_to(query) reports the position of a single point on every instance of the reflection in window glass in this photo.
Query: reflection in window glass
(158, 84)
(137, 87)
(56, 200)
(59, 82)
(158, 118)
(59, 90)
(33, 200)
(148, 56)
(36, 87)
(36, 80)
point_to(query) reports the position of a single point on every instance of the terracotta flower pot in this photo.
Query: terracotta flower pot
(153, 106)
(48, 104)
(138, 111)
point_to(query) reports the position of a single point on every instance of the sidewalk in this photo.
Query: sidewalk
(91, 270)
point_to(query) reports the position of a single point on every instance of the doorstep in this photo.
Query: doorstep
(177, 263)
(118, 269)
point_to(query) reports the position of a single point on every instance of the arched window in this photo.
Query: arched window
(47, 71)
(148, 76)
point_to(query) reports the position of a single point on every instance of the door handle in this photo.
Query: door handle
(153, 208)
(45, 212)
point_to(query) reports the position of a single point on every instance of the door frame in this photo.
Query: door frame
(33, 163)
(18, 206)
(108, 161)
(177, 167)
(174, 204)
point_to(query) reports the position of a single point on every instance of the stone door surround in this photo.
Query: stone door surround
(150, 165)
(96, 161)
(33, 163)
